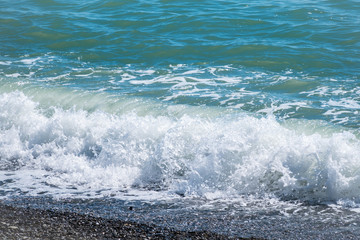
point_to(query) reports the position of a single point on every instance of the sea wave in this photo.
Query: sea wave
(194, 153)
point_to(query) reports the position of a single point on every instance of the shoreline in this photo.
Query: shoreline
(29, 223)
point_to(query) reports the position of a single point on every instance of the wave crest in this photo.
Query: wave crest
(79, 152)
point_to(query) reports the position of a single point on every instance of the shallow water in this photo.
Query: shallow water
(181, 101)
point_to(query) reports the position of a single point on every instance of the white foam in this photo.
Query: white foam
(320, 91)
(6, 63)
(30, 61)
(239, 94)
(345, 103)
(77, 153)
(13, 75)
(191, 72)
(283, 106)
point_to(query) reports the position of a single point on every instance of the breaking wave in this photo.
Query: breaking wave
(172, 151)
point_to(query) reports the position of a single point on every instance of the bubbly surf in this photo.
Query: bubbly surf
(73, 151)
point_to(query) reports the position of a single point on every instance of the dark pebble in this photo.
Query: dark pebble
(21, 223)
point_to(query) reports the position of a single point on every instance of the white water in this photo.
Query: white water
(195, 152)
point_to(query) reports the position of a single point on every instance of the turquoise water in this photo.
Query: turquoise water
(295, 59)
(167, 100)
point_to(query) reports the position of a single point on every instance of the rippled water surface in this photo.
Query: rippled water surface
(296, 59)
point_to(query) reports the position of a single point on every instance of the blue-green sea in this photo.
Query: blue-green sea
(241, 112)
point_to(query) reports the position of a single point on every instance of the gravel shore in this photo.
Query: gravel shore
(26, 223)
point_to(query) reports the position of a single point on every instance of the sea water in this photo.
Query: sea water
(224, 110)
